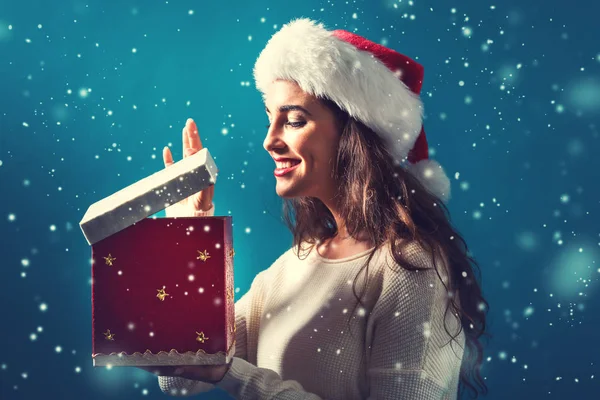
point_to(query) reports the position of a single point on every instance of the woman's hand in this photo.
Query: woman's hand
(204, 373)
(201, 201)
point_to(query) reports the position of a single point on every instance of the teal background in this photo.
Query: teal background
(516, 130)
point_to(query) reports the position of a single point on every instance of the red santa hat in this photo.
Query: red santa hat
(372, 83)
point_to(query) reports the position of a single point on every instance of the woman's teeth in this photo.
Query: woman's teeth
(285, 164)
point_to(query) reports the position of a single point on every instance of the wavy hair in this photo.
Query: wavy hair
(379, 197)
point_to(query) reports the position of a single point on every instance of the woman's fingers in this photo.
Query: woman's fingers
(191, 139)
(194, 136)
(167, 156)
(160, 371)
(185, 139)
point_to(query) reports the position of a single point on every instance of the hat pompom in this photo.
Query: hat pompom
(431, 175)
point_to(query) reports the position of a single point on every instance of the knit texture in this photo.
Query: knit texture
(293, 340)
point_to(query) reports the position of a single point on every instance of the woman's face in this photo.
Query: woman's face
(302, 138)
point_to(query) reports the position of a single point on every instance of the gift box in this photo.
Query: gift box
(162, 288)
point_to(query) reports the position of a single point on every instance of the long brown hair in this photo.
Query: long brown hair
(377, 196)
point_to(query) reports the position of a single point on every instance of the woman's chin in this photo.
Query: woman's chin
(284, 194)
(285, 190)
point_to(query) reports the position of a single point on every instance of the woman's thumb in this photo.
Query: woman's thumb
(167, 156)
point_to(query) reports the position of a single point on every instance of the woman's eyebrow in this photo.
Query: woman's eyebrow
(291, 107)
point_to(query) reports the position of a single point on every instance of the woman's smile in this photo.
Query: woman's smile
(285, 165)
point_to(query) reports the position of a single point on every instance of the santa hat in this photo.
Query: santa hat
(372, 83)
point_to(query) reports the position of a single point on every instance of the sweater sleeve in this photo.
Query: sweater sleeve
(249, 382)
(409, 352)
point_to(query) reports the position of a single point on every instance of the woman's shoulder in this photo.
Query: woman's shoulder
(409, 255)
(400, 288)
(409, 266)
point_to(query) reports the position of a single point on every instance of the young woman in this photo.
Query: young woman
(377, 297)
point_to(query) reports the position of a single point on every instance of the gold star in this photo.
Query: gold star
(110, 259)
(201, 338)
(231, 253)
(108, 335)
(161, 294)
(202, 255)
(230, 295)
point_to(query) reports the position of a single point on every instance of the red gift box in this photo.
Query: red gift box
(162, 293)
(162, 288)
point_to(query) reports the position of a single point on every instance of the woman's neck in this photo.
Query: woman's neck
(337, 247)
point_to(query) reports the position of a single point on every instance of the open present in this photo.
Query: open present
(162, 288)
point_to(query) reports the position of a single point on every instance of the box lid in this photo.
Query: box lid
(148, 196)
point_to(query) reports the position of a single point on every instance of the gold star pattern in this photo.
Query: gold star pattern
(231, 253)
(162, 294)
(202, 255)
(201, 338)
(109, 260)
(108, 335)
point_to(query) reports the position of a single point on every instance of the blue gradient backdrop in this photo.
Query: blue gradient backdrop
(92, 91)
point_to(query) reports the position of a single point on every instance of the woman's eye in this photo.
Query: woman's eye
(292, 124)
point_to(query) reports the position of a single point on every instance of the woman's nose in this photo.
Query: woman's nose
(273, 139)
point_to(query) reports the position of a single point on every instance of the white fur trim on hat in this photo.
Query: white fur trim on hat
(326, 66)
(431, 174)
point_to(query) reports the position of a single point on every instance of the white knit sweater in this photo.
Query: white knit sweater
(293, 342)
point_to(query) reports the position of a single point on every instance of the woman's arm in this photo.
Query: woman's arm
(410, 353)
